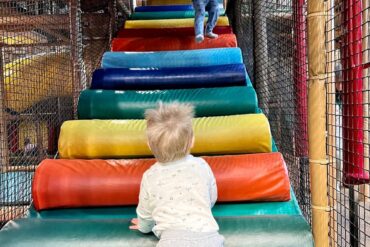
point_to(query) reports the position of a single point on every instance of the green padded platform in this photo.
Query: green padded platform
(274, 148)
(220, 210)
(166, 15)
(110, 104)
(243, 224)
(256, 231)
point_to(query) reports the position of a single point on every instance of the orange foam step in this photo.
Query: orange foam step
(93, 183)
(171, 43)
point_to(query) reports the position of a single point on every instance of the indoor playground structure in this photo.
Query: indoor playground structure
(281, 116)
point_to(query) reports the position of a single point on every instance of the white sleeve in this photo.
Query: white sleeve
(213, 188)
(211, 183)
(144, 211)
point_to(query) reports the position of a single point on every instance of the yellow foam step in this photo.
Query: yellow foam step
(88, 139)
(170, 23)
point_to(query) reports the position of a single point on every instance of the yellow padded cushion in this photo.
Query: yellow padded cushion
(88, 139)
(170, 23)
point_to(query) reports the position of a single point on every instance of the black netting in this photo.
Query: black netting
(347, 45)
(267, 31)
(48, 51)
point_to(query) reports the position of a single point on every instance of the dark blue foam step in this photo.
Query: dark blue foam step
(170, 78)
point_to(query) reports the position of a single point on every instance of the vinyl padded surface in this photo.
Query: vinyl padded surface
(169, 23)
(127, 212)
(172, 43)
(162, 8)
(118, 181)
(93, 104)
(165, 32)
(170, 78)
(172, 2)
(88, 139)
(167, 15)
(172, 59)
(256, 231)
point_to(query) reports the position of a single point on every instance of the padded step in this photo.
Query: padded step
(170, 23)
(118, 181)
(165, 32)
(89, 139)
(93, 104)
(170, 78)
(167, 15)
(172, 2)
(172, 43)
(172, 59)
(219, 210)
(256, 231)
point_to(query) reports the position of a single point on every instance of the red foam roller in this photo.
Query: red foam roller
(172, 43)
(161, 32)
(94, 183)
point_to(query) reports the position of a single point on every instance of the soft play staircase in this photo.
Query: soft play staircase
(86, 200)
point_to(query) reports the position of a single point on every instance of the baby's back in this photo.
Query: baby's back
(181, 194)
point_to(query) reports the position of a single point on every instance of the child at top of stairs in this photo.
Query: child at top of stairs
(200, 7)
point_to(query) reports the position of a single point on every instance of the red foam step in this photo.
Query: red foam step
(93, 183)
(161, 32)
(169, 43)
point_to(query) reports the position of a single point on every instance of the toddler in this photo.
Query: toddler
(179, 190)
(200, 7)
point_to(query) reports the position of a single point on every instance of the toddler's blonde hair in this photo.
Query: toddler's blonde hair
(170, 130)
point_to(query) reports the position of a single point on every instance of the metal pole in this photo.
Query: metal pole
(4, 149)
(316, 17)
(261, 49)
(39, 139)
(364, 189)
(78, 78)
(300, 76)
(331, 127)
(353, 218)
(300, 89)
(112, 5)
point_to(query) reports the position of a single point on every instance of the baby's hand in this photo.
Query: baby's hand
(135, 224)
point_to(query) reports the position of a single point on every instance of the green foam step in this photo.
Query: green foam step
(256, 231)
(166, 15)
(219, 210)
(111, 104)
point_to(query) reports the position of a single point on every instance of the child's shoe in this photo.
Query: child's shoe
(199, 38)
(212, 35)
